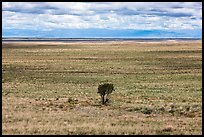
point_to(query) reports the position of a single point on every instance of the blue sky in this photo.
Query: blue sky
(102, 19)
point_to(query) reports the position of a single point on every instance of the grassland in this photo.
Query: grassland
(51, 88)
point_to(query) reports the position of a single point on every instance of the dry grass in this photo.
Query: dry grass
(51, 88)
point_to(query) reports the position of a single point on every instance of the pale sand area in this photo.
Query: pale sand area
(99, 42)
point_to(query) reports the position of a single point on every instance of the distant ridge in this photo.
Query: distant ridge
(24, 39)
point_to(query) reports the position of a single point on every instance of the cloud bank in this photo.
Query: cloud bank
(52, 16)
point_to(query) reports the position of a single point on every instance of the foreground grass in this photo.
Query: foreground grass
(51, 88)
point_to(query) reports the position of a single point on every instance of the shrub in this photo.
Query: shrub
(147, 110)
(104, 90)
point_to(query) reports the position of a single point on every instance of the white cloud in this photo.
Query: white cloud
(116, 15)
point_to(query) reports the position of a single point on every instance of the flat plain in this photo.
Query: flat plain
(51, 87)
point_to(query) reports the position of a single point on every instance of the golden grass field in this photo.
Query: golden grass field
(51, 88)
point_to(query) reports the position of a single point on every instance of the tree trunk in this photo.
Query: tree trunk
(102, 99)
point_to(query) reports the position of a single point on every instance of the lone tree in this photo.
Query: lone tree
(104, 90)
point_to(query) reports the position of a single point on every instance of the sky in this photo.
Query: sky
(102, 19)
